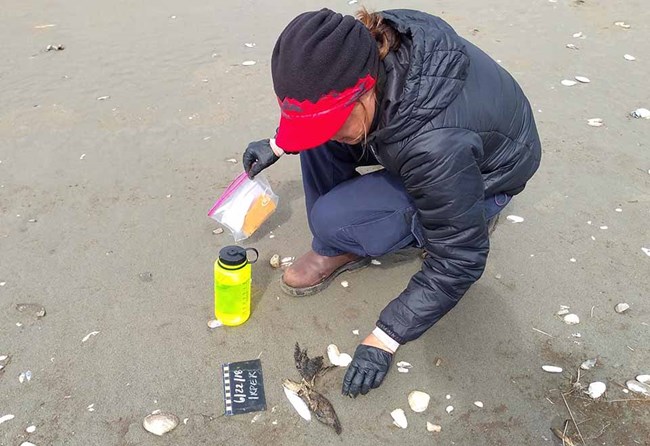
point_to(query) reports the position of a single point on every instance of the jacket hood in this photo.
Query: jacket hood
(423, 77)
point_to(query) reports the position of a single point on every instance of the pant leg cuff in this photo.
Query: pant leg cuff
(326, 251)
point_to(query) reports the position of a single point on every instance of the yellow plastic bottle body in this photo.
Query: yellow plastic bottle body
(232, 293)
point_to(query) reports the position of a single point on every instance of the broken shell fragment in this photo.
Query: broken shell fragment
(298, 404)
(355, 332)
(552, 369)
(621, 308)
(404, 364)
(418, 401)
(578, 35)
(30, 429)
(623, 25)
(478, 404)
(6, 418)
(92, 333)
(641, 113)
(433, 427)
(218, 231)
(449, 409)
(375, 262)
(402, 370)
(571, 319)
(336, 357)
(399, 418)
(571, 46)
(583, 79)
(160, 423)
(249, 45)
(588, 364)
(638, 387)
(595, 122)
(27, 443)
(248, 63)
(643, 379)
(568, 83)
(214, 323)
(562, 312)
(345, 284)
(596, 389)
(275, 261)
(515, 218)
(629, 57)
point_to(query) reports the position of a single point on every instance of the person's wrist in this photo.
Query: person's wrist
(388, 343)
(373, 341)
(277, 150)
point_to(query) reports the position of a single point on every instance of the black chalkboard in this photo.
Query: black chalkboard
(243, 387)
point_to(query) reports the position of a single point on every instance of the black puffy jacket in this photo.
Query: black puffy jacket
(456, 127)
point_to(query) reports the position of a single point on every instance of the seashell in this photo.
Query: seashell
(571, 46)
(448, 397)
(91, 407)
(30, 429)
(399, 418)
(572, 260)
(404, 364)
(345, 284)
(595, 122)
(596, 389)
(478, 404)
(92, 333)
(449, 409)
(336, 357)
(621, 308)
(568, 83)
(418, 401)
(588, 364)
(515, 218)
(629, 57)
(36, 311)
(218, 231)
(638, 387)
(402, 369)
(6, 418)
(248, 63)
(375, 262)
(298, 404)
(3, 357)
(571, 319)
(623, 25)
(604, 228)
(103, 98)
(355, 332)
(433, 427)
(646, 251)
(578, 35)
(583, 79)
(160, 423)
(353, 2)
(27, 443)
(275, 261)
(562, 312)
(21, 378)
(552, 369)
(28, 375)
(618, 210)
(249, 45)
(214, 323)
(643, 379)
(643, 113)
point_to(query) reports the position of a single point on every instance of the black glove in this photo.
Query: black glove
(258, 156)
(367, 370)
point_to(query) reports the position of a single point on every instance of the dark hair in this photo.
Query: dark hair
(386, 36)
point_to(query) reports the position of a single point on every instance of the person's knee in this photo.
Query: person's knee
(326, 218)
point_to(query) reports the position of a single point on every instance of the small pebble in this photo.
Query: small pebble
(433, 427)
(552, 369)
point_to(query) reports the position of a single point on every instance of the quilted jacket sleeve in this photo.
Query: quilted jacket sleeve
(440, 170)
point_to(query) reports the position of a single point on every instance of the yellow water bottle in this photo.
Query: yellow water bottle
(232, 285)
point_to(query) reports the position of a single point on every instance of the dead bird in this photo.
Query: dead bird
(311, 369)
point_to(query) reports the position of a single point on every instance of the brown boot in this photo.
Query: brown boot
(313, 272)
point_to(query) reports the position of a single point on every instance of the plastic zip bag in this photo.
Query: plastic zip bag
(245, 205)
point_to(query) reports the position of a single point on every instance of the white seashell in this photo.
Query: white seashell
(30, 429)
(248, 63)
(92, 333)
(643, 113)
(621, 308)
(572, 260)
(28, 375)
(562, 312)
(27, 443)
(449, 409)
(91, 407)
(552, 369)
(232, 160)
(571, 319)
(375, 262)
(618, 210)
(571, 46)
(399, 418)
(583, 79)
(418, 401)
(249, 45)
(433, 427)
(21, 377)
(623, 25)
(568, 83)
(353, 2)
(404, 364)
(160, 423)
(275, 261)
(515, 218)
(643, 379)
(6, 418)
(3, 357)
(604, 228)
(336, 357)
(638, 387)
(478, 404)
(578, 35)
(103, 98)
(595, 122)
(402, 369)
(629, 57)
(214, 323)
(218, 231)
(345, 284)
(596, 389)
(448, 397)
(588, 364)
(355, 332)
(297, 403)
(646, 251)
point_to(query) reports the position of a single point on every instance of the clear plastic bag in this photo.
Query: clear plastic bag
(245, 205)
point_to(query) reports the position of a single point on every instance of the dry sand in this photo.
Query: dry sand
(122, 186)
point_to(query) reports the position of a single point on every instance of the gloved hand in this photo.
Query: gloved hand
(258, 156)
(367, 370)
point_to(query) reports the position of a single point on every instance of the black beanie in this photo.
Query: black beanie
(321, 52)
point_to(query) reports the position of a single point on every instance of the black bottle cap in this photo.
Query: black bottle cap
(232, 255)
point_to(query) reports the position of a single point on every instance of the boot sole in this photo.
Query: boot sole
(320, 286)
